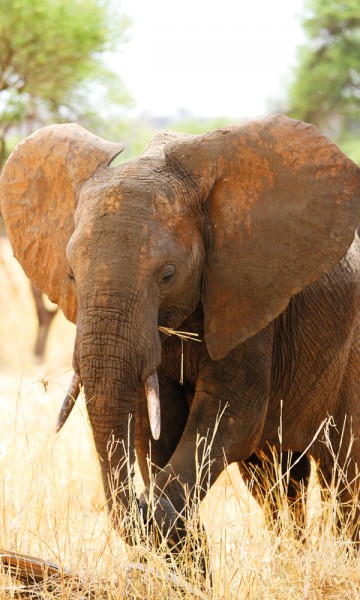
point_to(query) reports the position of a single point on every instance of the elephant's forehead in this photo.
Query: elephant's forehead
(143, 194)
(114, 197)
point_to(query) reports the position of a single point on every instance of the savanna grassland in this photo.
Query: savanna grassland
(52, 504)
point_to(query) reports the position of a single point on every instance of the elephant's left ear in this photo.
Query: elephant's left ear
(281, 205)
(39, 188)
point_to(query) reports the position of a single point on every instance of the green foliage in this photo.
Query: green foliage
(350, 145)
(51, 59)
(326, 86)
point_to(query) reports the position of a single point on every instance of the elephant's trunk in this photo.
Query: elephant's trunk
(113, 434)
(115, 362)
(152, 396)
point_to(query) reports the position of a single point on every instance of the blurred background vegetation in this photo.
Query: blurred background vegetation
(54, 68)
(52, 65)
(325, 89)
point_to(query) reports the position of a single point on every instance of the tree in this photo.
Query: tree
(51, 61)
(326, 85)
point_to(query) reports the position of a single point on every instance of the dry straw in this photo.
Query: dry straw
(184, 336)
(52, 503)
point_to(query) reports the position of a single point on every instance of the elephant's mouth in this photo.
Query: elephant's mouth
(164, 318)
(152, 396)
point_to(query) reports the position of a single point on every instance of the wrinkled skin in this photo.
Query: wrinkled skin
(244, 236)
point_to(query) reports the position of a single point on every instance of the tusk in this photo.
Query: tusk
(69, 402)
(153, 403)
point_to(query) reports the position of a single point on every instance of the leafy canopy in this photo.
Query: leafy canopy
(51, 63)
(326, 86)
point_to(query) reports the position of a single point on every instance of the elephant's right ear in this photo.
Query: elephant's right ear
(38, 194)
(281, 203)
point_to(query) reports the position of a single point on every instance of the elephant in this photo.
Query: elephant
(246, 236)
(45, 317)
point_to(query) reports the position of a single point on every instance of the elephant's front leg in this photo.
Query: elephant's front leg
(225, 421)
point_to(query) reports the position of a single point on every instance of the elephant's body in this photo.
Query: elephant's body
(242, 235)
(310, 373)
(315, 343)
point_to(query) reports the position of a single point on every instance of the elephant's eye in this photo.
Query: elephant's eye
(71, 275)
(168, 274)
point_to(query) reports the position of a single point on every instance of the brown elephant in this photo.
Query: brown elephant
(45, 317)
(244, 235)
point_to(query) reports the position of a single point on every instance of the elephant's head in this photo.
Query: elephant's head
(239, 219)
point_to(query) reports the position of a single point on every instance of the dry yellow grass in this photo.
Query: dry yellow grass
(52, 503)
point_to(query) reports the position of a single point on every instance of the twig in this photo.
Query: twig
(184, 336)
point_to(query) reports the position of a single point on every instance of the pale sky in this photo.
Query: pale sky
(211, 57)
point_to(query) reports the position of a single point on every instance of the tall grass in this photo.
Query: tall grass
(52, 503)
